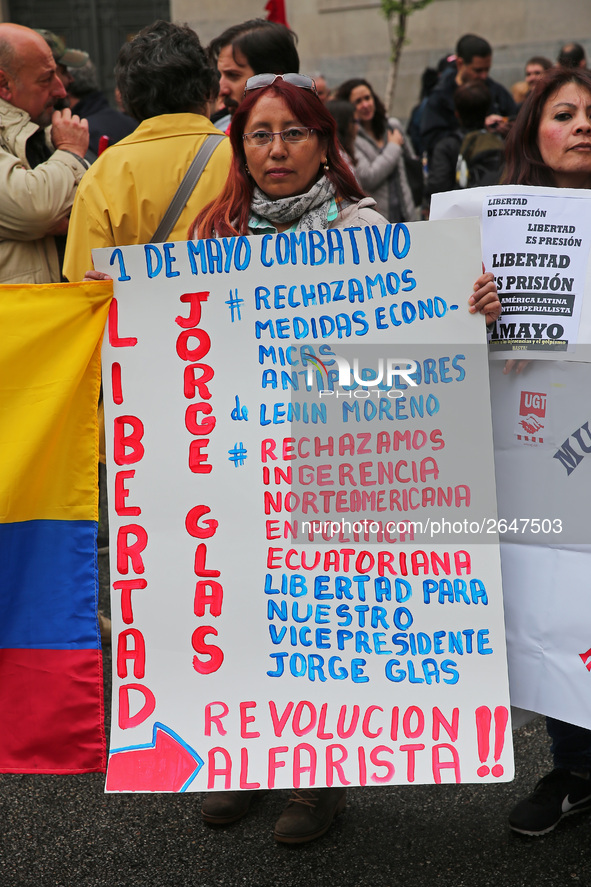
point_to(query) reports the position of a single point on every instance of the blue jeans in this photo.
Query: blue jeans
(571, 745)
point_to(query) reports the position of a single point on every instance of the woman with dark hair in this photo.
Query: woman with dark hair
(550, 145)
(542, 124)
(381, 152)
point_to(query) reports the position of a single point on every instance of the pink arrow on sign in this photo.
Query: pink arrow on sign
(167, 764)
(586, 657)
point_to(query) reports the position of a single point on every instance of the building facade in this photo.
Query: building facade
(348, 38)
(340, 38)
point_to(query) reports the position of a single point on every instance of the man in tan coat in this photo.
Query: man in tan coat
(39, 170)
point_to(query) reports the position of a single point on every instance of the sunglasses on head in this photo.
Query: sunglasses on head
(259, 81)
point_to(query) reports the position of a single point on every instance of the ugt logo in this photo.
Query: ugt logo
(532, 414)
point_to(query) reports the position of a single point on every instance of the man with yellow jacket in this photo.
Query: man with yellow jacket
(165, 82)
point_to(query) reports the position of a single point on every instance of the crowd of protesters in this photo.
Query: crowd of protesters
(162, 167)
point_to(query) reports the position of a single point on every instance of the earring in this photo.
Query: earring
(247, 169)
(326, 166)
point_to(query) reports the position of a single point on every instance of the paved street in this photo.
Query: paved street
(62, 831)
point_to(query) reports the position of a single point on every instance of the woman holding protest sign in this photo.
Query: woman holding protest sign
(550, 145)
(288, 174)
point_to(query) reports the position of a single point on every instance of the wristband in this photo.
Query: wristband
(82, 160)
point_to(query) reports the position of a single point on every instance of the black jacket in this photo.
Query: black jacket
(442, 166)
(103, 120)
(439, 119)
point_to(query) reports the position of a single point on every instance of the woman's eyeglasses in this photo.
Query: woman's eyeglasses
(292, 135)
(261, 80)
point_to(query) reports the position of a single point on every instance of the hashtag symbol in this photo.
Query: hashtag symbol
(238, 454)
(234, 304)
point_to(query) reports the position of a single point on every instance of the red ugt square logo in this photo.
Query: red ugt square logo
(532, 413)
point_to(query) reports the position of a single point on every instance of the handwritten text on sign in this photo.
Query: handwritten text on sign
(304, 585)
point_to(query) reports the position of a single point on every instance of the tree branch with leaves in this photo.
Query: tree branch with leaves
(397, 13)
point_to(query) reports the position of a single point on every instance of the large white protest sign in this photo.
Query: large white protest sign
(541, 420)
(305, 569)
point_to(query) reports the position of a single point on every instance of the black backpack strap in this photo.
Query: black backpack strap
(186, 187)
(467, 145)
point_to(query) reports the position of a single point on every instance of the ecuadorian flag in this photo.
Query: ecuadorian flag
(51, 697)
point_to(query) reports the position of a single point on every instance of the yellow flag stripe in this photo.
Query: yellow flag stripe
(49, 386)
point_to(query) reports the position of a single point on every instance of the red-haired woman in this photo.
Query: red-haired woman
(288, 174)
(287, 170)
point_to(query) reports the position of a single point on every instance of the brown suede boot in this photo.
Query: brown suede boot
(223, 808)
(309, 814)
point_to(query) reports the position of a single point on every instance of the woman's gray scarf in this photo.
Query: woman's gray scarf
(311, 209)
